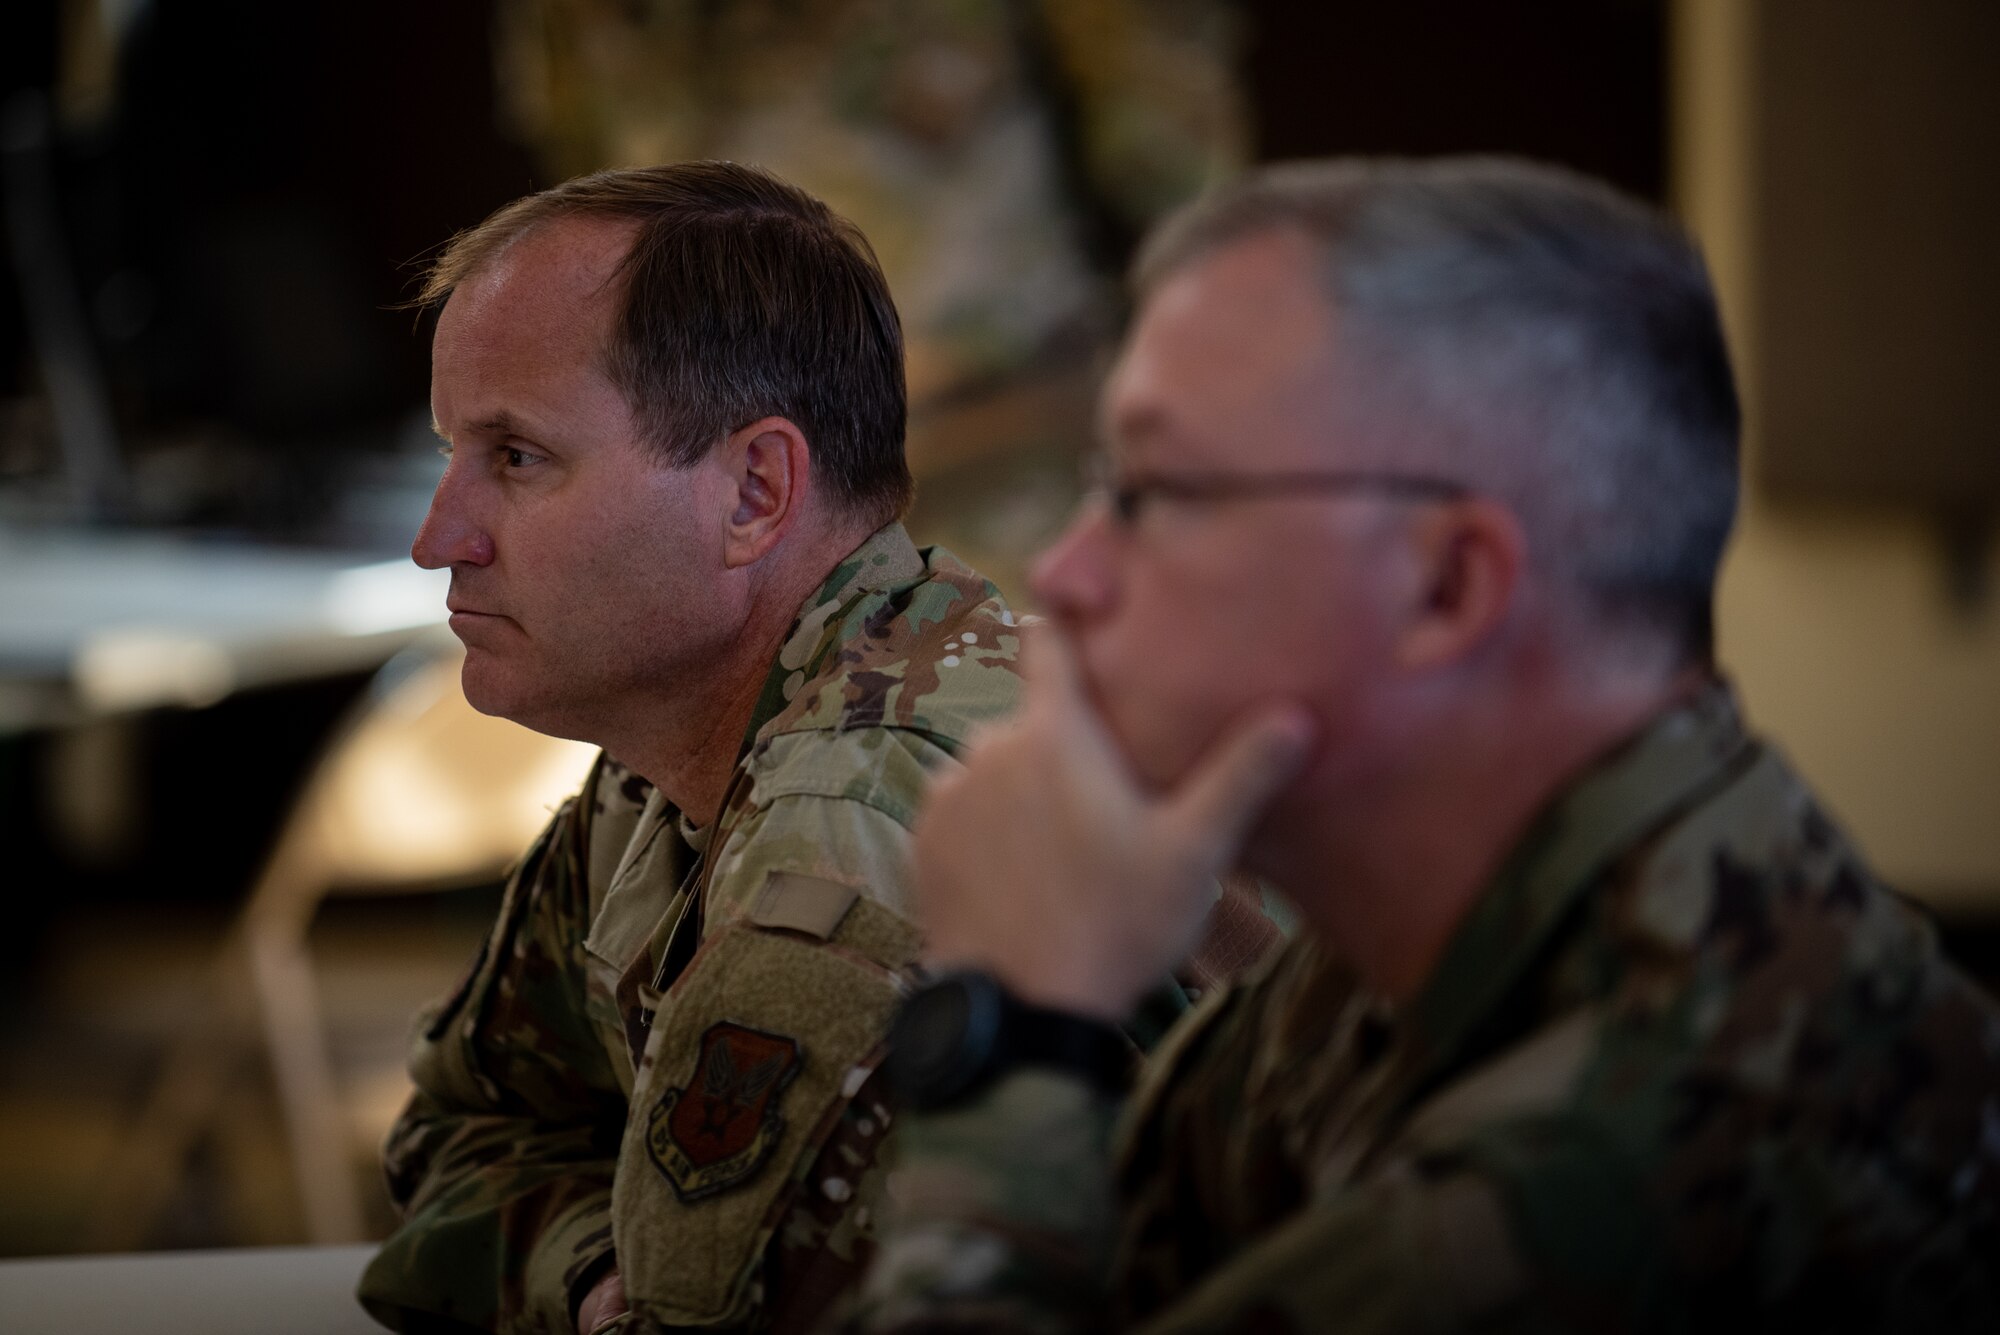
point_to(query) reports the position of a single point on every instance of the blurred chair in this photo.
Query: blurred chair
(415, 792)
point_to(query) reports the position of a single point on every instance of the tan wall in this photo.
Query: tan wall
(1835, 624)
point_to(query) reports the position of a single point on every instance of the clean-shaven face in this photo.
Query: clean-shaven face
(585, 575)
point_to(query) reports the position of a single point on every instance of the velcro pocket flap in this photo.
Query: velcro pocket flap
(753, 1052)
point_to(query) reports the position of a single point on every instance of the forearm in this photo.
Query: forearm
(1002, 1214)
(503, 1221)
(501, 1166)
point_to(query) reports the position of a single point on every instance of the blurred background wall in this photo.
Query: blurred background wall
(1835, 161)
(214, 447)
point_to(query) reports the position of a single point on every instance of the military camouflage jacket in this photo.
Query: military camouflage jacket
(666, 1045)
(1684, 1066)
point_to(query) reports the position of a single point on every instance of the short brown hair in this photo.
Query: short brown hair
(744, 297)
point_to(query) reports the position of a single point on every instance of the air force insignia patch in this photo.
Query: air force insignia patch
(718, 1131)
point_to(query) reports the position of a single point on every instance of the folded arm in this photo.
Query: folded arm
(502, 1163)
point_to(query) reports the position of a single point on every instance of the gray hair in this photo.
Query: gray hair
(1545, 339)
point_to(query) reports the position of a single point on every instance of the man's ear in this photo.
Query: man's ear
(770, 465)
(1472, 555)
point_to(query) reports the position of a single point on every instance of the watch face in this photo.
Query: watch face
(933, 1026)
(944, 1037)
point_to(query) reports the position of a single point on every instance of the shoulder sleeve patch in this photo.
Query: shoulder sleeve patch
(718, 1130)
(800, 903)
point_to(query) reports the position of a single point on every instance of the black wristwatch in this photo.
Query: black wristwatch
(961, 1030)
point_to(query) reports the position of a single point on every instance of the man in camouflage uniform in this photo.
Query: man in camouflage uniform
(673, 406)
(1400, 595)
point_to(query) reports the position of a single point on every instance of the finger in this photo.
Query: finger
(977, 738)
(1215, 805)
(1056, 691)
(1049, 665)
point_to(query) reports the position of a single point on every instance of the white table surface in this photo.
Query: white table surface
(99, 622)
(252, 1291)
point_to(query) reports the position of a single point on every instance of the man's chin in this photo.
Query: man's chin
(1159, 762)
(1162, 757)
(498, 695)
(488, 690)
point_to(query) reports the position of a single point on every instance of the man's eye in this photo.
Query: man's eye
(519, 458)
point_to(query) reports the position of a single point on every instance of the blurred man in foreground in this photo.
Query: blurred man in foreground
(673, 405)
(1398, 594)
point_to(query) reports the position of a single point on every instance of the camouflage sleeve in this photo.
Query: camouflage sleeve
(750, 1158)
(1001, 1214)
(1004, 1218)
(502, 1163)
(1408, 1252)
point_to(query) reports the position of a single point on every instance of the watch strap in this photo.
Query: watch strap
(1078, 1044)
(935, 1061)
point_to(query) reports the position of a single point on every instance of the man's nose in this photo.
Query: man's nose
(451, 533)
(1074, 580)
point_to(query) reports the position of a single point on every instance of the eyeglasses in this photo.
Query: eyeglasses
(1127, 495)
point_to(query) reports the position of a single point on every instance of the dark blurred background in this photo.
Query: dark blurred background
(214, 447)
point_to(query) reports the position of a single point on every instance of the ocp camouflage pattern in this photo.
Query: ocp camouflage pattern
(1686, 1066)
(627, 933)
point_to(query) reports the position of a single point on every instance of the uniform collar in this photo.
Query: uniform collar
(886, 559)
(1630, 793)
